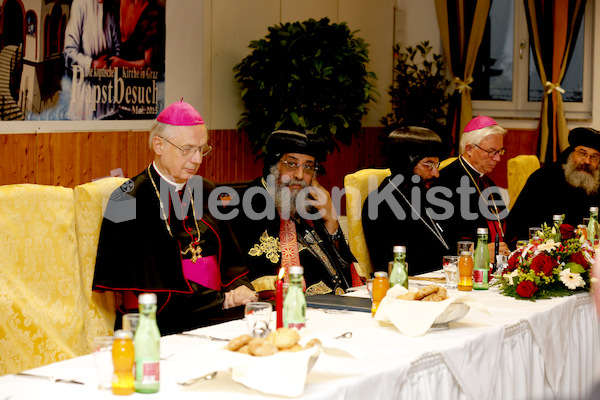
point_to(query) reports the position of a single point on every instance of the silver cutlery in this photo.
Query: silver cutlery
(345, 335)
(206, 377)
(49, 378)
(203, 336)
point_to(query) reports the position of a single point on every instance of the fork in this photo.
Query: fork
(49, 378)
(212, 338)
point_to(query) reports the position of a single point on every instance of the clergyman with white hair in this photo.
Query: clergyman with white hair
(475, 198)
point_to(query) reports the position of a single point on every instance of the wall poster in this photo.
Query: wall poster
(82, 59)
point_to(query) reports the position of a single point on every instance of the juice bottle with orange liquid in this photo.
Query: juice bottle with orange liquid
(381, 284)
(465, 269)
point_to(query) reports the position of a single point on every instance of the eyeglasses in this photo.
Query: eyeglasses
(292, 166)
(430, 164)
(493, 153)
(584, 154)
(189, 151)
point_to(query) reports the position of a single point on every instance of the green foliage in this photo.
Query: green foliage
(309, 74)
(418, 93)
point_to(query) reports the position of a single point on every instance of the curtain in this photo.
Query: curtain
(462, 24)
(553, 27)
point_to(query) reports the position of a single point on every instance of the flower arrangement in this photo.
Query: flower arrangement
(556, 263)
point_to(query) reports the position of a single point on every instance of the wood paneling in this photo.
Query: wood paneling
(17, 158)
(72, 158)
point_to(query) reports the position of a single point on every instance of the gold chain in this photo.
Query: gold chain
(483, 198)
(195, 250)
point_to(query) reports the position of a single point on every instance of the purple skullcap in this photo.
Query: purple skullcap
(180, 113)
(480, 121)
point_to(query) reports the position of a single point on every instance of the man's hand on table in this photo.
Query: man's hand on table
(239, 296)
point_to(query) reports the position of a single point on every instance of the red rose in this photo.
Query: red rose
(580, 259)
(567, 231)
(526, 289)
(513, 262)
(542, 263)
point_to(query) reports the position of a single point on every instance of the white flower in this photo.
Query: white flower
(548, 246)
(571, 280)
(510, 277)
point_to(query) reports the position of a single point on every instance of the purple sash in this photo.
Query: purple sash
(204, 272)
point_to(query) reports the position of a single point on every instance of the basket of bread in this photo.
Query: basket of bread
(277, 364)
(429, 308)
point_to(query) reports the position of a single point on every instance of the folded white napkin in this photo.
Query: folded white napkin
(414, 318)
(282, 374)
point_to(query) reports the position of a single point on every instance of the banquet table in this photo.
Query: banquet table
(520, 350)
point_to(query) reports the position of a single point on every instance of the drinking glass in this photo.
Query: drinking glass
(465, 245)
(370, 287)
(103, 360)
(450, 267)
(522, 243)
(533, 231)
(586, 221)
(258, 316)
(131, 321)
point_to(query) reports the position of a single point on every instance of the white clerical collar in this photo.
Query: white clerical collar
(474, 169)
(178, 186)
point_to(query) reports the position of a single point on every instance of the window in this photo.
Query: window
(505, 79)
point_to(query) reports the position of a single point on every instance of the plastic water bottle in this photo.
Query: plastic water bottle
(147, 347)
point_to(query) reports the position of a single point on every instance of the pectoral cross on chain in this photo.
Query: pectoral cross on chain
(195, 250)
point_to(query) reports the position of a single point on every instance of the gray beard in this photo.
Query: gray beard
(581, 176)
(286, 199)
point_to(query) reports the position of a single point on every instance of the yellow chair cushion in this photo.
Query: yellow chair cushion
(358, 186)
(40, 291)
(446, 162)
(90, 202)
(518, 170)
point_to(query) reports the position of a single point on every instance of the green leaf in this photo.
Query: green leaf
(575, 268)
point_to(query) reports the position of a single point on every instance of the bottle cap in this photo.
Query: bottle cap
(556, 217)
(381, 274)
(121, 334)
(593, 209)
(147, 298)
(581, 226)
(296, 270)
(465, 253)
(482, 231)
(399, 249)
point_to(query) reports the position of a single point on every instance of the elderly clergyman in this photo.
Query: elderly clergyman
(168, 242)
(288, 219)
(567, 186)
(475, 198)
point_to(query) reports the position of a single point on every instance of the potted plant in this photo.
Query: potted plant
(310, 74)
(418, 93)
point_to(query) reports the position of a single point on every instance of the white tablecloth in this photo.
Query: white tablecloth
(523, 350)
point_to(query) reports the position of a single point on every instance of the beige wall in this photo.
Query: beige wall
(234, 23)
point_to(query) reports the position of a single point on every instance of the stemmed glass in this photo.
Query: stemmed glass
(258, 316)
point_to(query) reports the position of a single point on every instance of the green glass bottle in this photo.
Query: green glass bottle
(294, 305)
(481, 261)
(399, 273)
(147, 347)
(592, 228)
(557, 221)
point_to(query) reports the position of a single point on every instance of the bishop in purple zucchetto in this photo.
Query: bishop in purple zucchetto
(180, 113)
(479, 122)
